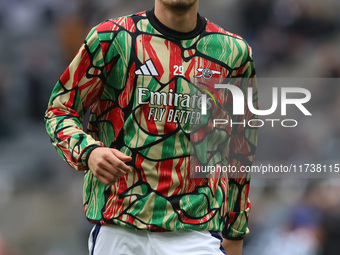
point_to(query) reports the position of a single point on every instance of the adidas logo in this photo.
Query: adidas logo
(148, 69)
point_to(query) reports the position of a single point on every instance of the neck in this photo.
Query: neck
(179, 20)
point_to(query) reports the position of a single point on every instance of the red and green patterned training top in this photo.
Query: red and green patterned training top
(134, 74)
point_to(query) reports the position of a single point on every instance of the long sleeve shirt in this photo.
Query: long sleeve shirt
(142, 83)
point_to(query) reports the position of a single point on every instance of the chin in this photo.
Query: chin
(179, 4)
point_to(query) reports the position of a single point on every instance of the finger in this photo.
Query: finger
(107, 174)
(119, 164)
(103, 180)
(107, 181)
(109, 170)
(122, 156)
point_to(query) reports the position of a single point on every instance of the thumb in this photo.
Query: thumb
(122, 156)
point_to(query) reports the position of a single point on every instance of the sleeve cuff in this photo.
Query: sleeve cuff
(231, 234)
(86, 154)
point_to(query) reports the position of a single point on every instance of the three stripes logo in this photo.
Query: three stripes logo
(148, 69)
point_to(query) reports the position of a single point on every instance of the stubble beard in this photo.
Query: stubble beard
(180, 5)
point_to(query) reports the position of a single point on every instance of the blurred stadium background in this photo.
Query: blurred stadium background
(41, 197)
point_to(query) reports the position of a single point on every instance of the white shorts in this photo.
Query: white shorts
(115, 240)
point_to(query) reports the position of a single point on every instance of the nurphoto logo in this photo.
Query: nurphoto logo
(304, 96)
